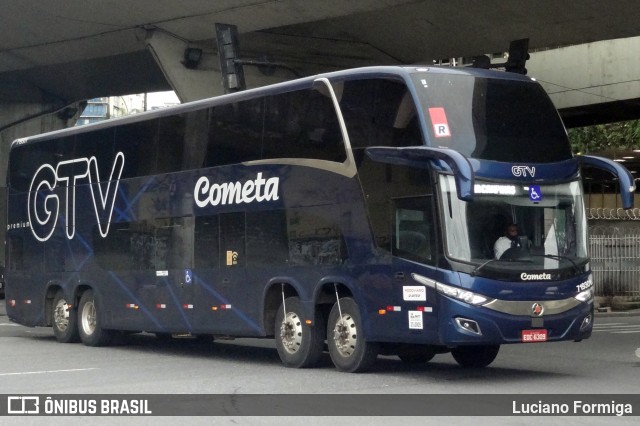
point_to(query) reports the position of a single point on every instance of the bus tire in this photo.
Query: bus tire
(299, 345)
(89, 317)
(475, 356)
(64, 320)
(348, 349)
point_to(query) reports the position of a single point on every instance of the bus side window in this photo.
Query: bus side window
(378, 112)
(232, 239)
(302, 124)
(413, 229)
(173, 143)
(27, 159)
(139, 144)
(98, 144)
(55, 255)
(15, 254)
(235, 133)
(315, 236)
(206, 244)
(267, 242)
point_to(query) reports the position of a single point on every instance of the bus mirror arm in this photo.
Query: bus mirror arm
(416, 156)
(627, 183)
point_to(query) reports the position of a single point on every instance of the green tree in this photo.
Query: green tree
(621, 136)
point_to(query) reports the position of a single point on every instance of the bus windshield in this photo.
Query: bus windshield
(549, 219)
(491, 119)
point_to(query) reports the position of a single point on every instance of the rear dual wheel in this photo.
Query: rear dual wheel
(349, 351)
(299, 344)
(90, 321)
(64, 319)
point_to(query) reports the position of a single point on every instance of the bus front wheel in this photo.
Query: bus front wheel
(475, 356)
(349, 350)
(91, 331)
(64, 320)
(299, 344)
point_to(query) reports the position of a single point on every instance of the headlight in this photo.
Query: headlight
(463, 295)
(585, 296)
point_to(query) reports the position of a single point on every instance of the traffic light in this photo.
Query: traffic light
(518, 55)
(229, 56)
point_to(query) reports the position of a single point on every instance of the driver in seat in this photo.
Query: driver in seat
(507, 241)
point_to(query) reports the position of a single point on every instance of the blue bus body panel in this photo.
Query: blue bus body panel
(223, 295)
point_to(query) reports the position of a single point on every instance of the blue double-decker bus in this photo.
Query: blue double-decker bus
(359, 210)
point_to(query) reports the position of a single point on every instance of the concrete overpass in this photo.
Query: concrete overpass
(56, 53)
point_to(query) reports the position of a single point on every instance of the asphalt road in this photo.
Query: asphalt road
(31, 361)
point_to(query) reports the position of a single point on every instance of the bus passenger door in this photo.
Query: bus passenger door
(174, 297)
(232, 298)
(219, 273)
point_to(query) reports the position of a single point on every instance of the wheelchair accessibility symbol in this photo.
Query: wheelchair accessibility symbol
(535, 194)
(188, 276)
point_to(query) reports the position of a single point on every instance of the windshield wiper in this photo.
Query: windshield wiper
(525, 259)
(559, 257)
(479, 267)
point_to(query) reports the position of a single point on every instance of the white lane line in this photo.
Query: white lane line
(625, 332)
(617, 330)
(618, 327)
(46, 372)
(610, 324)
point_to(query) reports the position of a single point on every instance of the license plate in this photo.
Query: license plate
(534, 336)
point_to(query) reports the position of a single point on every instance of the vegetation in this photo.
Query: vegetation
(624, 135)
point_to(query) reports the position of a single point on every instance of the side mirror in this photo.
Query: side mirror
(418, 156)
(627, 183)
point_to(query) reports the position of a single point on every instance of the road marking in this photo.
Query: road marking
(46, 372)
(617, 328)
(10, 325)
(613, 327)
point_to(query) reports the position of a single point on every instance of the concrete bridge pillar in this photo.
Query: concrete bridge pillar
(197, 81)
(202, 79)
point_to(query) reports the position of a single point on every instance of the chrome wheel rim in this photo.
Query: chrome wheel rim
(89, 318)
(345, 335)
(61, 315)
(291, 333)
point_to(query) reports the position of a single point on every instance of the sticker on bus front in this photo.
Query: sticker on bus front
(414, 293)
(440, 123)
(415, 320)
(535, 194)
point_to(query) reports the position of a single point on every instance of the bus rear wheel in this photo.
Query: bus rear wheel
(64, 320)
(349, 351)
(89, 327)
(475, 356)
(299, 345)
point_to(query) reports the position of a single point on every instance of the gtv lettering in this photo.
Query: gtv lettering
(523, 171)
(44, 204)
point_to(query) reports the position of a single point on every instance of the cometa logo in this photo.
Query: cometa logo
(44, 204)
(530, 277)
(205, 193)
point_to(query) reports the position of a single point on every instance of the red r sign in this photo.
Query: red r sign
(439, 121)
